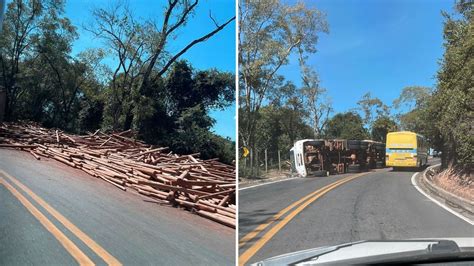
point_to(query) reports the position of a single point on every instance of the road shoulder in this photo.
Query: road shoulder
(441, 197)
(246, 183)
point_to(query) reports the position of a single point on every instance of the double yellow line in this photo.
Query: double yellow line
(303, 203)
(75, 252)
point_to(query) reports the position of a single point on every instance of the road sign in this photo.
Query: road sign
(245, 152)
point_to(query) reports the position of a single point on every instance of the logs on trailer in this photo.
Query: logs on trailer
(205, 187)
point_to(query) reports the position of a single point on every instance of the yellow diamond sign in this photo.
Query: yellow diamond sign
(245, 152)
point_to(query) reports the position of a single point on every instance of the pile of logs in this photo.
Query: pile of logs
(205, 187)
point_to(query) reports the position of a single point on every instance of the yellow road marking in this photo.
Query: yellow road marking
(274, 230)
(78, 255)
(101, 252)
(277, 216)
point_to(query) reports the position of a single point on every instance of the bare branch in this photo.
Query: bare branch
(213, 20)
(196, 41)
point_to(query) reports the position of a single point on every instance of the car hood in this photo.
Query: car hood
(371, 249)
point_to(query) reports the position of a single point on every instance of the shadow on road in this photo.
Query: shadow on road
(410, 169)
(254, 219)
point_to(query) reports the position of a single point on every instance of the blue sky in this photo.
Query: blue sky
(376, 46)
(218, 52)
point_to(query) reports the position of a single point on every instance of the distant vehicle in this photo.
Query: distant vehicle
(456, 251)
(305, 157)
(322, 157)
(406, 149)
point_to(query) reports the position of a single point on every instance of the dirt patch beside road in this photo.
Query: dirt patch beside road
(271, 176)
(457, 182)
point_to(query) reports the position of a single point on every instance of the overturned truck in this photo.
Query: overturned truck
(322, 157)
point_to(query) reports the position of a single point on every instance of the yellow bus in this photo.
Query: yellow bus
(406, 149)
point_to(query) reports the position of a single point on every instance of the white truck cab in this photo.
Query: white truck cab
(305, 157)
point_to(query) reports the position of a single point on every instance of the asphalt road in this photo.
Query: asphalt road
(380, 205)
(129, 228)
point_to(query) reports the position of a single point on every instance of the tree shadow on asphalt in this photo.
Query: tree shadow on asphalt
(254, 218)
(410, 169)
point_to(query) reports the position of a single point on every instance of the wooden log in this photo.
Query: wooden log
(172, 188)
(20, 146)
(35, 155)
(148, 152)
(225, 192)
(111, 182)
(205, 207)
(71, 139)
(228, 209)
(205, 186)
(217, 217)
(105, 142)
(95, 133)
(225, 213)
(151, 194)
(187, 204)
(224, 200)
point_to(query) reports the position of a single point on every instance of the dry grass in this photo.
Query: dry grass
(272, 175)
(458, 182)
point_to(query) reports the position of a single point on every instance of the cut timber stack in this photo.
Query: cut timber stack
(205, 187)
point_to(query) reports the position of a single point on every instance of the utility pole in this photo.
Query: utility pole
(266, 167)
(279, 162)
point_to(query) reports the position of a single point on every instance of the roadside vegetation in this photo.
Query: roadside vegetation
(134, 82)
(274, 113)
(445, 114)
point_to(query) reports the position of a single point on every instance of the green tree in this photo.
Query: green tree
(347, 125)
(451, 106)
(269, 32)
(175, 111)
(164, 99)
(412, 104)
(141, 49)
(372, 108)
(314, 97)
(412, 97)
(381, 126)
(27, 26)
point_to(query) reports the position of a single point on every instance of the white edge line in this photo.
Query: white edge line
(268, 183)
(437, 202)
